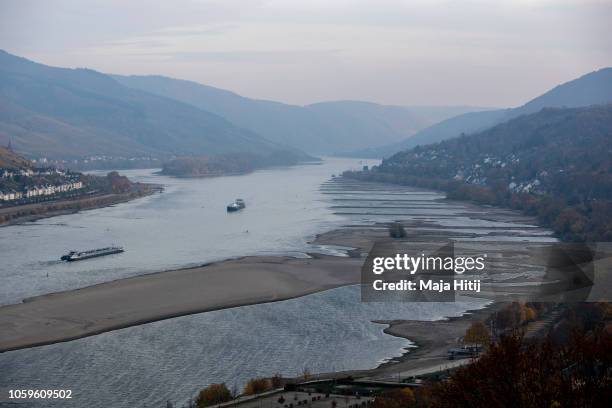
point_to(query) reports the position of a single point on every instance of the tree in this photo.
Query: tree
(530, 314)
(515, 374)
(212, 395)
(477, 333)
(118, 183)
(257, 386)
(570, 221)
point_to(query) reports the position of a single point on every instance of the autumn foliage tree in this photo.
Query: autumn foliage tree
(515, 315)
(477, 333)
(257, 386)
(212, 395)
(512, 374)
(118, 183)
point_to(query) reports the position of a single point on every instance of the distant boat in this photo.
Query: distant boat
(94, 253)
(237, 205)
(465, 351)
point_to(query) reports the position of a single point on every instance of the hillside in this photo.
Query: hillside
(327, 127)
(58, 112)
(10, 160)
(594, 88)
(555, 164)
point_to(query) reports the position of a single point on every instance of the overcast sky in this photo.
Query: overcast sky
(429, 52)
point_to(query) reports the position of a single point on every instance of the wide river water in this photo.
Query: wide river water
(187, 225)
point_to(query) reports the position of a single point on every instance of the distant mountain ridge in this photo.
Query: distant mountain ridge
(62, 113)
(59, 112)
(74, 113)
(594, 88)
(320, 128)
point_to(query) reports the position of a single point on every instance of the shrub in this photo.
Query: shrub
(212, 395)
(257, 386)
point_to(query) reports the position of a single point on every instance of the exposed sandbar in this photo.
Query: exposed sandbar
(122, 303)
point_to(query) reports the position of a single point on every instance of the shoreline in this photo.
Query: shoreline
(56, 208)
(426, 350)
(426, 346)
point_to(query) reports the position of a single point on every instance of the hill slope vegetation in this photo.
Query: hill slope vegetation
(555, 164)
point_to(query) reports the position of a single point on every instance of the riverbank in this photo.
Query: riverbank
(432, 340)
(32, 212)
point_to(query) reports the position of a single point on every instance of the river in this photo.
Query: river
(187, 225)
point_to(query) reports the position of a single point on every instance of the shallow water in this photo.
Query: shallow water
(172, 359)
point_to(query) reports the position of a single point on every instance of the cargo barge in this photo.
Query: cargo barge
(237, 205)
(94, 253)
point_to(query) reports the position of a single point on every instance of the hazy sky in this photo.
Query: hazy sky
(429, 52)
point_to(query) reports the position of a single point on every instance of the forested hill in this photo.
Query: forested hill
(555, 164)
